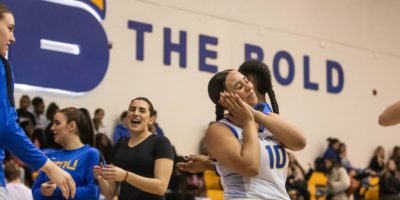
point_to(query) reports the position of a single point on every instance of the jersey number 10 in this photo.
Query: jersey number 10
(277, 156)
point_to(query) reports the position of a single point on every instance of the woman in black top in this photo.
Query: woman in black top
(377, 162)
(143, 164)
(389, 182)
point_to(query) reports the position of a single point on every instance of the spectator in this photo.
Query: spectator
(156, 127)
(389, 182)
(338, 180)
(38, 112)
(377, 162)
(396, 156)
(121, 129)
(16, 189)
(23, 112)
(295, 182)
(99, 126)
(333, 150)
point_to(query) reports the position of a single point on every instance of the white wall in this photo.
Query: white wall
(362, 35)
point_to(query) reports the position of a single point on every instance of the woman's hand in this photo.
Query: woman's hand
(239, 112)
(47, 188)
(97, 172)
(113, 173)
(195, 164)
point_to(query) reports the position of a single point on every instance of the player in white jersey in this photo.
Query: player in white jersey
(252, 167)
(271, 178)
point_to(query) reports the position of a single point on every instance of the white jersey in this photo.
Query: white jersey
(270, 181)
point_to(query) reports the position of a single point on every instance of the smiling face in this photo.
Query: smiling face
(139, 116)
(237, 83)
(61, 129)
(7, 25)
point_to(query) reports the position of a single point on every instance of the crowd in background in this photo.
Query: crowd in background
(344, 179)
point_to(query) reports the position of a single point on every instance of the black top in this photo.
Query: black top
(375, 165)
(389, 185)
(140, 160)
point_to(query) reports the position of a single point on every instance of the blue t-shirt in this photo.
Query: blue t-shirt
(79, 163)
(12, 136)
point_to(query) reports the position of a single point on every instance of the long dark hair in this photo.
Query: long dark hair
(262, 75)
(83, 122)
(215, 86)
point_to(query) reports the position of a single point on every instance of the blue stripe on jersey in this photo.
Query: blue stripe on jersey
(232, 129)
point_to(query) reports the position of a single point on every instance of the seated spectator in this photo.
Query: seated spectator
(38, 112)
(343, 157)
(16, 189)
(377, 162)
(28, 128)
(338, 180)
(99, 126)
(121, 129)
(333, 149)
(389, 182)
(23, 113)
(396, 156)
(295, 182)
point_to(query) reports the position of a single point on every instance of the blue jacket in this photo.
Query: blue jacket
(12, 136)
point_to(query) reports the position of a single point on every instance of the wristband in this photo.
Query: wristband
(126, 176)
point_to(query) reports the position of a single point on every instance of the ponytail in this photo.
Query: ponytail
(86, 129)
(83, 122)
(262, 78)
(216, 85)
(274, 103)
(219, 112)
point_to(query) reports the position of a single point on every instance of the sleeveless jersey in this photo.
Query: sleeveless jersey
(270, 181)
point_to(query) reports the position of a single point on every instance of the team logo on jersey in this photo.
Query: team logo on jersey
(61, 44)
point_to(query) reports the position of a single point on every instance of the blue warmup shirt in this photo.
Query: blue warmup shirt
(79, 163)
(12, 136)
(264, 108)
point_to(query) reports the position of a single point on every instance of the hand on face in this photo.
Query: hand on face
(239, 112)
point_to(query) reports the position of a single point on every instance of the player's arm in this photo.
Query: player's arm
(289, 135)
(391, 115)
(225, 147)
